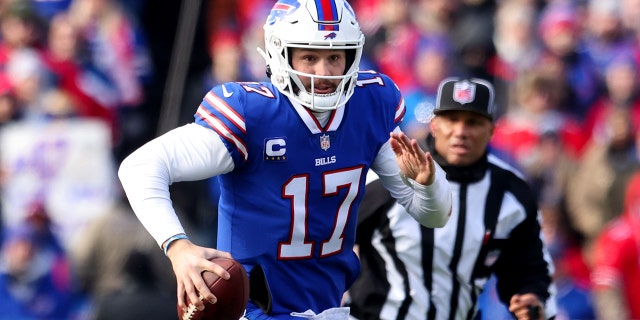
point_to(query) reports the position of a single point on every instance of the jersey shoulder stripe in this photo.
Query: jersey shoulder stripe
(400, 111)
(223, 131)
(224, 109)
(233, 109)
(220, 111)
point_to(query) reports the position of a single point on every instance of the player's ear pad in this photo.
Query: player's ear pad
(259, 292)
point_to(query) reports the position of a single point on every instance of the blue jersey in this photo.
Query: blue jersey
(290, 203)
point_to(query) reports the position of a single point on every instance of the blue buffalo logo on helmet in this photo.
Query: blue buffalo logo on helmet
(331, 35)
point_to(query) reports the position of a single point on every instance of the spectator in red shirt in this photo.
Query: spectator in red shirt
(76, 77)
(392, 46)
(535, 114)
(616, 274)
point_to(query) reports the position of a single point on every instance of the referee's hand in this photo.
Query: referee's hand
(526, 307)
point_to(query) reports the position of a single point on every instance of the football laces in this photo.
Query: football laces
(191, 310)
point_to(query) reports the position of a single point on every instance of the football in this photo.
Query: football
(232, 294)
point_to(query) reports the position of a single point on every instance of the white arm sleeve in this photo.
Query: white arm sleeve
(191, 152)
(429, 205)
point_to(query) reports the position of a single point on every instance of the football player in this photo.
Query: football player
(291, 156)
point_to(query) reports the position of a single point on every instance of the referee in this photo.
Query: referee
(413, 272)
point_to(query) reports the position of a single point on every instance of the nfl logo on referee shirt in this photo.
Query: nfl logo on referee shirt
(464, 92)
(325, 142)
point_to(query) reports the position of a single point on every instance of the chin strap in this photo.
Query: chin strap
(268, 71)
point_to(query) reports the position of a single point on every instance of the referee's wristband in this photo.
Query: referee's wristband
(172, 239)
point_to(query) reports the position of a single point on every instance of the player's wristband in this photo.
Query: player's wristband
(172, 239)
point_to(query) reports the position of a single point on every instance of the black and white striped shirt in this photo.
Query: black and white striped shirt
(413, 272)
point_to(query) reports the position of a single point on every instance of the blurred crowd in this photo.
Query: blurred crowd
(82, 84)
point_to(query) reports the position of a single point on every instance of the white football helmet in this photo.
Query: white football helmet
(312, 24)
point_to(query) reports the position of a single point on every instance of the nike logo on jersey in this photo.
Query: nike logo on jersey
(226, 93)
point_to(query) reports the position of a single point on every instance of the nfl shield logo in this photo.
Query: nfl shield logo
(325, 143)
(464, 92)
